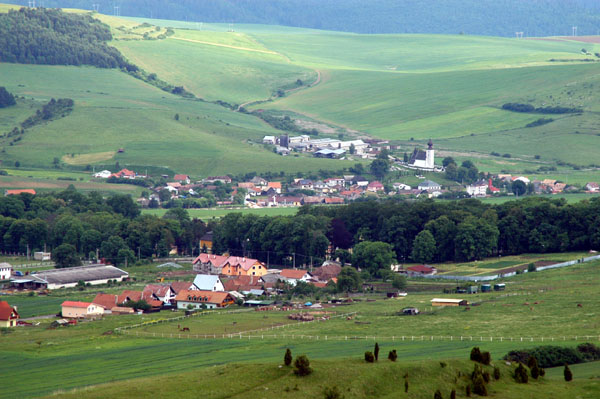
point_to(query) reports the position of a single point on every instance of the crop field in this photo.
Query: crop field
(42, 361)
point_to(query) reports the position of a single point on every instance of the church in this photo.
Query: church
(423, 159)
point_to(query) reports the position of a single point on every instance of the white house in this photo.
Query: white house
(292, 276)
(592, 187)
(5, 271)
(269, 140)
(105, 174)
(208, 282)
(478, 189)
(401, 186)
(429, 185)
(360, 147)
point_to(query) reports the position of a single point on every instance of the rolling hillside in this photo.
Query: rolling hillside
(406, 88)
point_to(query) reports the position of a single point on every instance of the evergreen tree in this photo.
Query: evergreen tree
(567, 373)
(287, 359)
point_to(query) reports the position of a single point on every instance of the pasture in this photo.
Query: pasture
(90, 354)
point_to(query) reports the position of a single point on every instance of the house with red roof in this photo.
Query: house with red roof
(76, 310)
(292, 276)
(375, 187)
(8, 315)
(159, 292)
(124, 174)
(107, 301)
(334, 200)
(17, 192)
(182, 179)
(237, 265)
(209, 263)
(198, 299)
(275, 185)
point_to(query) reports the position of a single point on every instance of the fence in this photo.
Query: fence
(403, 338)
(33, 265)
(501, 275)
(154, 322)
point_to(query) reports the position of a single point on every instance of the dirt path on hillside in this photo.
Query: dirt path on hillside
(229, 46)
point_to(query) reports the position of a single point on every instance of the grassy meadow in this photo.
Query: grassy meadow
(43, 361)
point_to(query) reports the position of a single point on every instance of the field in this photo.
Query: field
(42, 361)
(206, 214)
(407, 88)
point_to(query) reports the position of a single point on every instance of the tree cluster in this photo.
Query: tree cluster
(53, 37)
(6, 98)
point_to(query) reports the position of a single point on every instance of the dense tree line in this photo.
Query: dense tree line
(482, 17)
(50, 36)
(518, 107)
(70, 222)
(379, 232)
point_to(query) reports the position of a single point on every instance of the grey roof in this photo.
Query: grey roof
(206, 281)
(271, 277)
(85, 273)
(418, 155)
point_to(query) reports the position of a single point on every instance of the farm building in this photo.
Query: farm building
(448, 302)
(203, 299)
(5, 271)
(499, 287)
(43, 256)
(486, 288)
(107, 301)
(410, 311)
(208, 282)
(69, 277)
(74, 309)
(421, 269)
(8, 315)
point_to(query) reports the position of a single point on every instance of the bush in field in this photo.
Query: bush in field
(376, 351)
(486, 376)
(533, 367)
(547, 356)
(437, 395)
(521, 375)
(468, 391)
(369, 357)
(393, 355)
(302, 365)
(479, 387)
(287, 359)
(496, 373)
(332, 393)
(476, 354)
(486, 358)
(453, 394)
(567, 373)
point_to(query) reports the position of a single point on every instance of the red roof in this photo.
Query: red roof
(180, 285)
(181, 177)
(159, 290)
(295, 274)
(274, 184)
(109, 301)
(334, 200)
(132, 295)
(7, 312)
(22, 191)
(76, 304)
(420, 269)
(244, 263)
(215, 260)
(217, 297)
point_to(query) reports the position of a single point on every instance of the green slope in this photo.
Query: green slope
(113, 110)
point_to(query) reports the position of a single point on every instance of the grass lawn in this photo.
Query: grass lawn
(220, 212)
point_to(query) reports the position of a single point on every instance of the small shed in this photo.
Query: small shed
(486, 288)
(472, 289)
(448, 302)
(499, 287)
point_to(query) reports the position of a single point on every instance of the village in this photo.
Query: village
(182, 190)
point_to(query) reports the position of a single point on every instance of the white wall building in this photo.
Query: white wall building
(5, 271)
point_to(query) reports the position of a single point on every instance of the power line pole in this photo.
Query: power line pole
(574, 31)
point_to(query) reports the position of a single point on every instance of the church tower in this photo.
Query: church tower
(430, 157)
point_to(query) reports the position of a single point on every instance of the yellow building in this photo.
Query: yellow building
(8, 315)
(240, 266)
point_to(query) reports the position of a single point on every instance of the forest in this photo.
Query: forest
(50, 36)
(475, 17)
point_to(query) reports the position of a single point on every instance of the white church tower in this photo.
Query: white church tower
(430, 157)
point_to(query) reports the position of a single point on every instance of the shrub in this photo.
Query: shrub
(405, 385)
(443, 364)
(302, 365)
(547, 356)
(332, 393)
(486, 358)
(479, 387)
(589, 351)
(369, 357)
(437, 395)
(376, 351)
(393, 355)
(486, 376)
(521, 374)
(453, 394)
(287, 359)
(496, 373)
(567, 373)
(533, 367)
(468, 391)
(542, 372)
(476, 354)
(531, 268)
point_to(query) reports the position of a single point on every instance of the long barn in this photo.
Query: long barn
(70, 277)
(448, 302)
